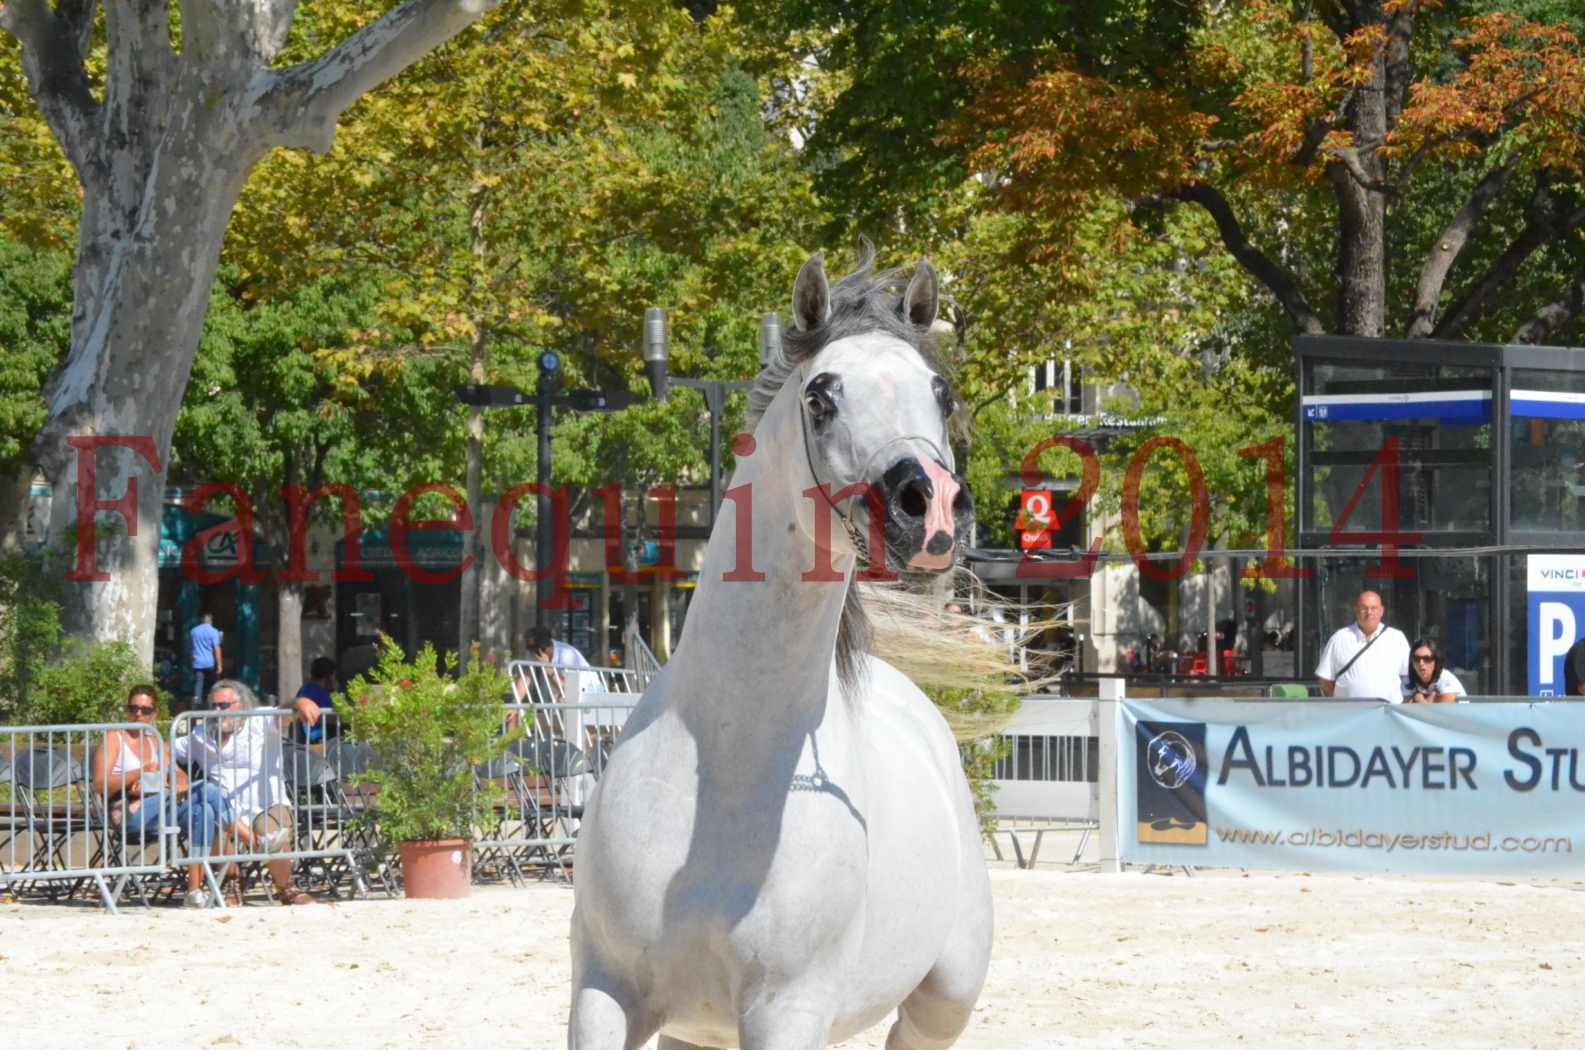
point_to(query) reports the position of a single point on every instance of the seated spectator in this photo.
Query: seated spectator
(321, 682)
(242, 758)
(1429, 682)
(129, 772)
(563, 679)
(360, 659)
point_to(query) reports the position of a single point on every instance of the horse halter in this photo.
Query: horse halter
(856, 536)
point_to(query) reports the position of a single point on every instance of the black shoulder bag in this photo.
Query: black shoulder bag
(1355, 658)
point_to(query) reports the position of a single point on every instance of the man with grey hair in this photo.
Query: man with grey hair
(241, 755)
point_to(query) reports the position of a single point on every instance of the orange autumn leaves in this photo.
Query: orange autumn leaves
(1520, 81)
(1054, 139)
(1261, 99)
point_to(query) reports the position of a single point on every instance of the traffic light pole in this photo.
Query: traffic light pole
(480, 396)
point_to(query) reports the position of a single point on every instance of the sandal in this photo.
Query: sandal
(232, 888)
(289, 896)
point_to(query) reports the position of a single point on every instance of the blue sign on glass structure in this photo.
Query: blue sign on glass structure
(1556, 585)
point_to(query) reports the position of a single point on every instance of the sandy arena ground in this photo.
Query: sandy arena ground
(1082, 959)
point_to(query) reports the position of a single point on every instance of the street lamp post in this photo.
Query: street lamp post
(549, 373)
(545, 401)
(714, 391)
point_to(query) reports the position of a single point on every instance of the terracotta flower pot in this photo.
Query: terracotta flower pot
(440, 870)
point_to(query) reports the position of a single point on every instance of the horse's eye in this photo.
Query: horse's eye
(944, 396)
(820, 407)
(820, 398)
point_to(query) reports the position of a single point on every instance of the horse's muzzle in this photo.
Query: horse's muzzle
(928, 508)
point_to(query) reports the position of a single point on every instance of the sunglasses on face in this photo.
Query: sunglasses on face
(1424, 658)
(141, 709)
(224, 707)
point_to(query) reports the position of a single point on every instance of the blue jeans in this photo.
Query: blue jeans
(201, 816)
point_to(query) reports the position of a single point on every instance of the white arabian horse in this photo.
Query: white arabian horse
(783, 850)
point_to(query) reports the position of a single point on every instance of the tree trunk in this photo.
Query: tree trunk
(15, 493)
(143, 274)
(162, 147)
(288, 639)
(473, 540)
(1358, 176)
(474, 544)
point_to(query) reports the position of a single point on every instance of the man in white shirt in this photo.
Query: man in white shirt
(241, 756)
(570, 680)
(1366, 659)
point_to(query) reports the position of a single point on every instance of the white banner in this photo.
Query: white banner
(1487, 789)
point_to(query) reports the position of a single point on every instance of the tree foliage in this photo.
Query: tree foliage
(35, 322)
(1452, 133)
(534, 187)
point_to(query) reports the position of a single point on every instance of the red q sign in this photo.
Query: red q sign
(1035, 519)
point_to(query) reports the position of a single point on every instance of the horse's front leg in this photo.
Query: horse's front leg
(787, 1019)
(603, 1019)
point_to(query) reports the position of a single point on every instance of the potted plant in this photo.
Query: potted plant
(428, 730)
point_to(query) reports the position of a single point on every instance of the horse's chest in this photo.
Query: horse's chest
(737, 864)
(754, 907)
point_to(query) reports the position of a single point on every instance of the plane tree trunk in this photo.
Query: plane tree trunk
(162, 153)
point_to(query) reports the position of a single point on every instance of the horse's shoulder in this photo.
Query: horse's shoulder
(888, 689)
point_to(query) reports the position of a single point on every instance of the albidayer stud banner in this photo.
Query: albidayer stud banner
(1477, 789)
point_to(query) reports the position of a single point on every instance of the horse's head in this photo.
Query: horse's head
(875, 411)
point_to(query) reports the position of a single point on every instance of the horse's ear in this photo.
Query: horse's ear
(919, 301)
(811, 303)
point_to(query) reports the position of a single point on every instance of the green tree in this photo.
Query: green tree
(270, 414)
(161, 118)
(1450, 134)
(533, 190)
(35, 319)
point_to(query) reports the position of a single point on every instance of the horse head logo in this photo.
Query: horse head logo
(1170, 758)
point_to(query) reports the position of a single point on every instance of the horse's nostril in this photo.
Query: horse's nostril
(913, 500)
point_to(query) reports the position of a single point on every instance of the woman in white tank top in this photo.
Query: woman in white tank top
(130, 769)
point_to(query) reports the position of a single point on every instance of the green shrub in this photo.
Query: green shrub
(30, 631)
(89, 684)
(427, 732)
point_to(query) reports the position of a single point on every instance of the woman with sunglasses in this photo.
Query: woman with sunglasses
(1429, 682)
(129, 775)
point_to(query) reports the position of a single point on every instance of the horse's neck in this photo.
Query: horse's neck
(764, 643)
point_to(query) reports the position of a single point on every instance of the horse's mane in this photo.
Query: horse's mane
(864, 301)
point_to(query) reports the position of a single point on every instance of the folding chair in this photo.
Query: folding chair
(545, 785)
(19, 843)
(495, 852)
(41, 772)
(327, 820)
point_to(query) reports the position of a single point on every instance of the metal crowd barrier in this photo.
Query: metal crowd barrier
(544, 780)
(290, 798)
(1049, 777)
(72, 814)
(537, 682)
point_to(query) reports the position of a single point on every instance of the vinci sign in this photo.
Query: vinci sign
(1556, 587)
